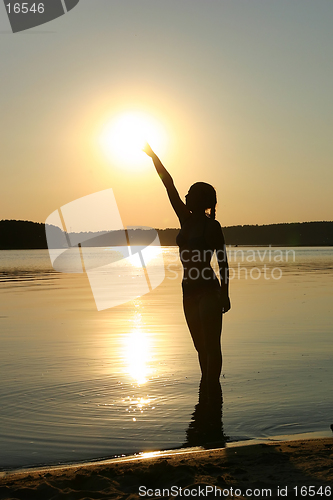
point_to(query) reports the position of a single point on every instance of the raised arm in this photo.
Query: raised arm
(177, 204)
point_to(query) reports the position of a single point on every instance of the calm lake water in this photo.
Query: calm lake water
(78, 384)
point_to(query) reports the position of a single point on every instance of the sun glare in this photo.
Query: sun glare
(123, 138)
(149, 253)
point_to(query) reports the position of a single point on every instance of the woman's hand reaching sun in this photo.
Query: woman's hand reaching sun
(147, 149)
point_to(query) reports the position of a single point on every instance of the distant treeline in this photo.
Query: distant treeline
(16, 234)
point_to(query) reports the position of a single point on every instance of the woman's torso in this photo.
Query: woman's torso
(196, 250)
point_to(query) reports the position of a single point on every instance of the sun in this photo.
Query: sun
(123, 138)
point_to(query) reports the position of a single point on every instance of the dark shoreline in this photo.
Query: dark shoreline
(4, 471)
(274, 468)
(27, 235)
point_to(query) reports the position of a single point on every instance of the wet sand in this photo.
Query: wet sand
(255, 471)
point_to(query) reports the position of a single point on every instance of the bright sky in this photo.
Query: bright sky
(238, 93)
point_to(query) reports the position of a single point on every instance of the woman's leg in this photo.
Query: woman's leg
(194, 323)
(210, 312)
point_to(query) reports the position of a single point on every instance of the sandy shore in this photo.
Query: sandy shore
(255, 471)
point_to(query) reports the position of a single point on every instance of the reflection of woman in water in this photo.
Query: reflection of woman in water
(206, 426)
(204, 298)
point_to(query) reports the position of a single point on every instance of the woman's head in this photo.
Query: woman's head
(201, 196)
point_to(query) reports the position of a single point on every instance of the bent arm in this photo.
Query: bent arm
(177, 204)
(222, 259)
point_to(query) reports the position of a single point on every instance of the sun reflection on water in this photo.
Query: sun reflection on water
(149, 253)
(137, 347)
(137, 350)
(137, 406)
(137, 357)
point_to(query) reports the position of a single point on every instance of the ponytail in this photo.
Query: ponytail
(212, 214)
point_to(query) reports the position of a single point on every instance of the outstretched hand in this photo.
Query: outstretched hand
(147, 149)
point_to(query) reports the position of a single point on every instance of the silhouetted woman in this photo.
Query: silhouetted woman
(204, 298)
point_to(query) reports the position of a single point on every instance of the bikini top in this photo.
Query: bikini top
(193, 242)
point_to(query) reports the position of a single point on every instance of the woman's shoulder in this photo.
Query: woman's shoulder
(214, 232)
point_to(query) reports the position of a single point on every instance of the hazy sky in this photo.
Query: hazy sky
(242, 88)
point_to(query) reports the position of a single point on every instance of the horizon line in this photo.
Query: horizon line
(177, 228)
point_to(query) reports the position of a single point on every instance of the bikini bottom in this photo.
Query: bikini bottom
(198, 289)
